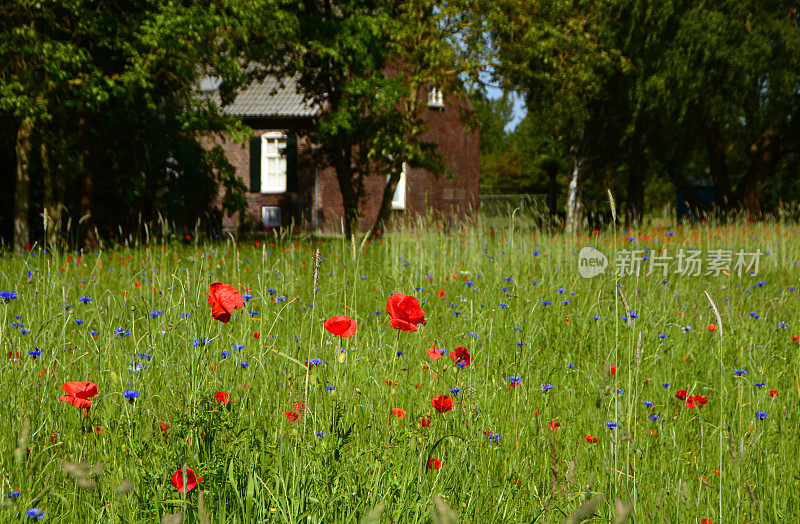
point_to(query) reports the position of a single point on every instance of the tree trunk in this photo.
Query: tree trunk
(23, 148)
(385, 211)
(53, 205)
(87, 236)
(574, 211)
(719, 168)
(762, 161)
(344, 174)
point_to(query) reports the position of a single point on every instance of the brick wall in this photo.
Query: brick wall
(448, 198)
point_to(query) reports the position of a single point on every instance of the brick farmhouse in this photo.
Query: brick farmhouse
(285, 187)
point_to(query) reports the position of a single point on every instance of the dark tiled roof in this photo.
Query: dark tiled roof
(269, 99)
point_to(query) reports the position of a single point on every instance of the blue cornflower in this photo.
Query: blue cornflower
(595, 318)
(565, 302)
(739, 372)
(78, 321)
(654, 417)
(186, 315)
(399, 353)
(253, 313)
(570, 366)
(754, 315)
(611, 425)
(330, 388)
(280, 298)
(546, 303)
(35, 352)
(238, 347)
(561, 290)
(508, 279)
(85, 300)
(131, 395)
(271, 291)
(13, 495)
(245, 365)
(503, 305)
(494, 437)
(760, 384)
(662, 336)
(761, 415)
(469, 283)
(782, 325)
(201, 342)
(455, 391)
(514, 380)
(314, 362)
(24, 331)
(67, 306)
(35, 513)
(122, 332)
(225, 354)
(648, 404)
(157, 313)
(536, 253)
(686, 329)
(136, 367)
(634, 314)
(457, 313)
(145, 356)
(665, 384)
(461, 364)
(8, 295)
(93, 333)
(620, 392)
(320, 434)
(377, 312)
(547, 387)
(248, 297)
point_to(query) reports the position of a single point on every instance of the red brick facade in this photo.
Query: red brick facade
(317, 202)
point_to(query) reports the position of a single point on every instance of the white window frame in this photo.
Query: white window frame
(399, 197)
(274, 182)
(271, 216)
(435, 97)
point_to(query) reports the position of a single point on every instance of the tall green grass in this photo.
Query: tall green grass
(258, 467)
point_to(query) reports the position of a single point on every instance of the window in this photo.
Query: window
(273, 163)
(271, 216)
(399, 197)
(435, 97)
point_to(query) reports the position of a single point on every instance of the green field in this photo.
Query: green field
(512, 297)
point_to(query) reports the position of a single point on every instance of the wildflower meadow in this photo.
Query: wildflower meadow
(434, 373)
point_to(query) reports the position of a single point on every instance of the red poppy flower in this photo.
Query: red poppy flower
(222, 397)
(440, 293)
(291, 416)
(341, 325)
(700, 400)
(405, 312)
(402, 325)
(224, 299)
(612, 370)
(460, 356)
(591, 440)
(554, 425)
(435, 354)
(78, 393)
(256, 335)
(712, 327)
(434, 464)
(390, 382)
(690, 403)
(795, 338)
(773, 392)
(425, 421)
(706, 521)
(399, 413)
(191, 480)
(681, 395)
(165, 427)
(442, 403)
